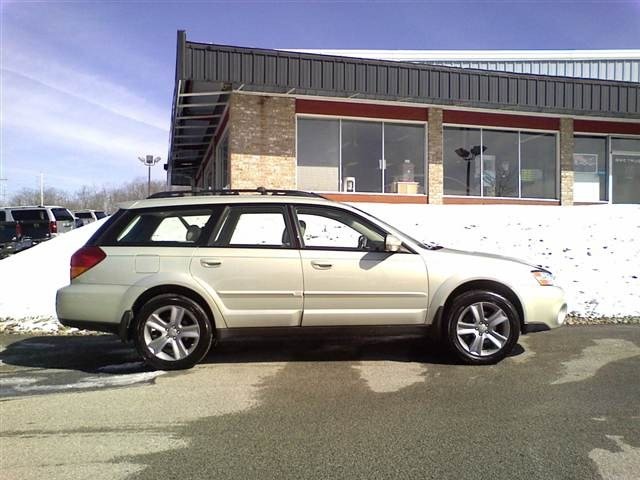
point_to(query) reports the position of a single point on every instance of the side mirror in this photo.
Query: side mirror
(392, 244)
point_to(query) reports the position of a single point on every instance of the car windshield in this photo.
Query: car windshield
(427, 245)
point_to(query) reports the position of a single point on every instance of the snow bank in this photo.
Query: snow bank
(594, 252)
(29, 281)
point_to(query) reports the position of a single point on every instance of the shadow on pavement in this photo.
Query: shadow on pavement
(95, 354)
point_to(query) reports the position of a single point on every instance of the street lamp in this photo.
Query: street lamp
(149, 161)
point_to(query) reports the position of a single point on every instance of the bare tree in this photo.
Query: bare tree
(88, 197)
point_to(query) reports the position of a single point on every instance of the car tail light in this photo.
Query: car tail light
(53, 227)
(85, 259)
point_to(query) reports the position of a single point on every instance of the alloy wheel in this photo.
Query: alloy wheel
(483, 329)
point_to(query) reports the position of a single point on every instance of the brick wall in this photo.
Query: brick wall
(567, 144)
(262, 141)
(436, 178)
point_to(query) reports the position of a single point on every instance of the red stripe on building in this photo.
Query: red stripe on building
(368, 110)
(482, 119)
(594, 126)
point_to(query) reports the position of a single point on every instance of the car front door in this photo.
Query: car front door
(349, 278)
(252, 267)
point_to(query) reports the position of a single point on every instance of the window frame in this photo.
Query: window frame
(323, 208)
(340, 118)
(556, 135)
(109, 237)
(610, 137)
(221, 228)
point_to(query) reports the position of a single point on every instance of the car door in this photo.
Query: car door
(252, 267)
(348, 277)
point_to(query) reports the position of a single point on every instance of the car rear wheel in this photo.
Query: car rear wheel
(172, 332)
(483, 327)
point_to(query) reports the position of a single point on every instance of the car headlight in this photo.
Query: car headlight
(543, 277)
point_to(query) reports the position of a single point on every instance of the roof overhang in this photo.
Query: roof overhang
(206, 75)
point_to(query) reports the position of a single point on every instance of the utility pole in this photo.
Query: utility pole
(3, 180)
(149, 161)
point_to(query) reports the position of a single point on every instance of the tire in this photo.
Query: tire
(172, 332)
(482, 327)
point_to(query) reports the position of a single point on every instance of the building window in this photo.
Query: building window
(360, 156)
(591, 173)
(499, 163)
(319, 155)
(625, 170)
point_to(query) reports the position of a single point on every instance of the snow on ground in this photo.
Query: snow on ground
(29, 281)
(594, 252)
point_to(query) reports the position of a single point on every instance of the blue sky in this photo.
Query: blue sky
(86, 86)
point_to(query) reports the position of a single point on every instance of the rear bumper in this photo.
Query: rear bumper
(88, 304)
(121, 329)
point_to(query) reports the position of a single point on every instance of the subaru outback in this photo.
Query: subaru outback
(175, 271)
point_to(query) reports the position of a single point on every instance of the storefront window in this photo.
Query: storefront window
(590, 169)
(319, 154)
(361, 156)
(499, 163)
(461, 157)
(625, 169)
(537, 165)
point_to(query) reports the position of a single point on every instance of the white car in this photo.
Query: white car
(175, 271)
(90, 216)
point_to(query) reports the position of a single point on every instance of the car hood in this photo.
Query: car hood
(486, 256)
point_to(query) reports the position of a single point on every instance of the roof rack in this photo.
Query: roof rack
(233, 191)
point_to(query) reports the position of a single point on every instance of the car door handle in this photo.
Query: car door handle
(210, 262)
(321, 265)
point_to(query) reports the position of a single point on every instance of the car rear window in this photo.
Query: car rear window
(84, 215)
(164, 226)
(27, 214)
(100, 215)
(62, 214)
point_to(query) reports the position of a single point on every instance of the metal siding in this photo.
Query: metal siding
(271, 71)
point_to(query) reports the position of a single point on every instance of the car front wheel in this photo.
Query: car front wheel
(483, 327)
(172, 332)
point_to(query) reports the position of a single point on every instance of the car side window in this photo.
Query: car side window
(167, 227)
(322, 228)
(254, 226)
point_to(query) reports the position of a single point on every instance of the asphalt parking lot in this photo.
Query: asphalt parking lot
(565, 405)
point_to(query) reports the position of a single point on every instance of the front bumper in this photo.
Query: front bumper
(544, 308)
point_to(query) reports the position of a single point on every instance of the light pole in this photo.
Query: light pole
(149, 161)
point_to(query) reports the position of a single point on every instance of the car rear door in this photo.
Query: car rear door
(253, 267)
(348, 277)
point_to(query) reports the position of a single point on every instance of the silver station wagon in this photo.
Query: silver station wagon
(176, 271)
